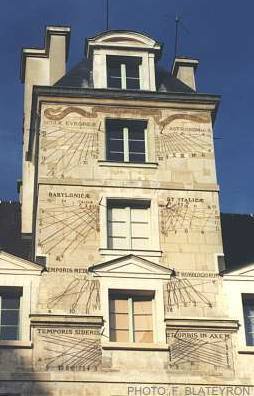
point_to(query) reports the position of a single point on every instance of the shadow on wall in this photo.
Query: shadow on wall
(17, 377)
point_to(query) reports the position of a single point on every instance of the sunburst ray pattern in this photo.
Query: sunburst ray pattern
(178, 217)
(81, 294)
(64, 228)
(182, 142)
(197, 350)
(64, 150)
(183, 292)
(66, 352)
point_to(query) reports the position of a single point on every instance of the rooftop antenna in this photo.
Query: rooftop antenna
(178, 21)
(107, 14)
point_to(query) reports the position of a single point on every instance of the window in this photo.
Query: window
(248, 312)
(128, 224)
(123, 72)
(10, 312)
(126, 141)
(131, 316)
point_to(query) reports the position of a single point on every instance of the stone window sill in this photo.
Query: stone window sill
(15, 344)
(123, 252)
(247, 350)
(134, 346)
(153, 165)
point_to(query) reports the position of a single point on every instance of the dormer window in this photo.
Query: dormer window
(123, 72)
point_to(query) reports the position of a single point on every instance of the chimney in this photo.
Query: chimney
(39, 67)
(184, 69)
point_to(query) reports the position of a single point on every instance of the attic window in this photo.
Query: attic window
(123, 72)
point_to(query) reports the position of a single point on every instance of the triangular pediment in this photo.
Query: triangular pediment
(16, 265)
(244, 271)
(132, 266)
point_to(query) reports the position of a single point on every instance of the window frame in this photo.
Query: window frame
(124, 63)
(154, 252)
(127, 205)
(19, 295)
(126, 128)
(131, 296)
(249, 342)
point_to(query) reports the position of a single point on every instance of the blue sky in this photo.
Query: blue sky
(219, 33)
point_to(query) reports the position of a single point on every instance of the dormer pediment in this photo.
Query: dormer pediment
(10, 264)
(125, 39)
(131, 266)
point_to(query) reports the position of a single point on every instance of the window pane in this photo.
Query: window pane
(119, 335)
(115, 145)
(139, 230)
(119, 321)
(9, 333)
(132, 83)
(114, 82)
(118, 243)
(137, 146)
(10, 317)
(143, 322)
(136, 133)
(116, 157)
(117, 229)
(119, 305)
(113, 72)
(117, 214)
(142, 306)
(140, 243)
(132, 67)
(114, 130)
(139, 215)
(143, 336)
(139, 158)
(10, 302)
(113, 66)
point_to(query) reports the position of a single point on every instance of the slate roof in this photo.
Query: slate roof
(80, 77)
(10, 225)
(238, 239)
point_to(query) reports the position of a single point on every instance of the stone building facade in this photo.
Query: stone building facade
(123, 293)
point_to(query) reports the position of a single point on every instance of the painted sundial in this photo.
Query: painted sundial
(199, 350)
(66, 226)
(184, 136)
(69, 353)
(69, 139)
(184, 292)
(79, 293)
(188, 215)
